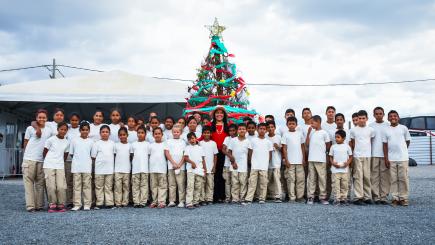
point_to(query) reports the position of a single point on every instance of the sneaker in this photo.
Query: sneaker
(368, 202)
(162, 205)
(52, 208)
(404, 203)
(310, 201)
(98, 207)
(300, 200)
(209, 203)
(153, 205)
(377, 202)
(383, 202)
(110, 207)
(203, 203)
(324, 202)
(61, 208)
(171, 205)
(234, 202)
(181, 205)
(196, 205)
(31, 210)
(336, 203)
(358, 202)
(227, 201)
(277, 200)
(75, 208)
(343, 202)
(263, 202)
(190, 206)
(246, 203)
(394, 203)
(86, 208)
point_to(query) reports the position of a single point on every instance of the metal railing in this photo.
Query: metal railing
(10, 162)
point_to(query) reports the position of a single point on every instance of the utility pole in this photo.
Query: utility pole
(53, 70)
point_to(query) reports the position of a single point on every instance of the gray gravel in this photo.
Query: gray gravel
(269, 223)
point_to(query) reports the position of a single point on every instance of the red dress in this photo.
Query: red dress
(219, 136)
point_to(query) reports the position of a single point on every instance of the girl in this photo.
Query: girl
(154, 123)
(115, 118)
(102, 155)
(74, 127)
(181, 122)
(33, 176)
(55, 153)
(191, 128)
(73, 131)
(58, 116)
(122, 169)
(176, 169)
(98, 118)
(131, 124)
(196, 169)
(158, 170)
(81, 168)
(140, 151)
(169, 124)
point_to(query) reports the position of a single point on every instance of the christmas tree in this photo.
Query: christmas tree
(218, 84)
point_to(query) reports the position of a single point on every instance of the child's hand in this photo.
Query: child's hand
(232, 159)
(213, 170)
(193, 165)
(205, 172)
(234, 164)
(287, 164)
(276, 146)
(387, 163)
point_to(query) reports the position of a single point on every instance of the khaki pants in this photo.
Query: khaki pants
(56, 185)
(361, 177)
(380, 179)
(350, 181)
(274, 183)
(140, 188)
(239, 186)
(317, 174)
(340, 187)
(82, 185)
(159, 187)
(177, 182)
(399, 180)
(122, 188)
(257, 183)
(226, 174)
(104, 189)
(33, 178)
(69, 183)
(194, 185)
(209, 187)
(295, 178)
(282, 182)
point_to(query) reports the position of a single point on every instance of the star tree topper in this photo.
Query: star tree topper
(216, 29)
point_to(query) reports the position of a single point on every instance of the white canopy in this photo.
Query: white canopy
(105, 87)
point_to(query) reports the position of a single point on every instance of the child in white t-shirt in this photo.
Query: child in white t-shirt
(140, 151)
(318, 144)
(103, 156)
(340, 156)
(81, 168)
(131, 126)
(158, 170)
(168, 124)
(361, 142)
(210, 151)
(293, 148)
(115, 125)
(239, 148)
(261, 156)
(396, 141)
(274, 186)
(122, 169)
(55, 153)
(154, 123)
(251, 128)
(226, 173)
(98, 119)
(196, 170)
(174, 152)
(192, 127)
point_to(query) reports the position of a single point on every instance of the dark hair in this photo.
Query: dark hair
(306, 109)
(270, 116)
(131, 116)
(123, 129)
(339, 115)
(115, 109)
(62, 124)
(225, 121)
(354, 114)
(103, 127)
(262, 125)
(342, 133)
(251, 123)
(330, 107)
(154, 117)
(99, 110)
(170, 118)
(57, 109)
(234, 126)
(206, 128)
(190, 135)
(316, 118)
(156, 129)
(241, 125)
(378, 108)
(292, 119)
(247, 119)
(362, 113)
(74, 114)
(84, 124)
(41, 111)
(271, 123)
(290, 110)
(190, 119)
(205, 116)
(142, 127)
(393, 112)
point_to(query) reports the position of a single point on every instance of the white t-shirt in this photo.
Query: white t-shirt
(276, 154)
(282, 130)
(304, 129)
(176, 150)
(114, 128)
(35, 145)
(293, 141)
(227, 141)
(240, 149)
(261, 149)
(362, 137)
(141, 152)
(122, 157)
(195, 154)
(340, 153)
(330, 128)
(198, 130)
(80, 149)
(377, 144)
(167, 133)
(132, 136)
(210, 150)
(158, 162)
(72, 133)
(52, 125)
(251, 137)
(396, 138)
(346, 140)
(103, 152)
(94, 132)
(317, 147)
(56, 150)
(150, 138)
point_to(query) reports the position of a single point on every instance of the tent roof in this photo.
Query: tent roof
(105, 87)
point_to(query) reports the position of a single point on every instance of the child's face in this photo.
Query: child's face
(123, 136)
(62, 131)
(306, 115)
(84, 132)
(339, 121)
(241, 131)
(362, 120)
(355, 121)
(379, 115)
(41, 118)
(251, 129)
(291, 126)
(393, 118)
(58, 117)
(330, 114)
(141, 135)
(192, 125)
(154, 123)
(104, 134)
(271, 128)
(261, 131)
(339, 139)
(197, 117)
(315, 124)
(140, 122)
(158, 136)
(206, 134)
(232, 132)
(131, 123)
(289, 114)
(205, 121)
(115, 117)
(192, 140)
(176, 133)
(98, 117)
(169, 124)
(74, 121)
(181, 122)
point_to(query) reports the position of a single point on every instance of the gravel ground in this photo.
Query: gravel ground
(220, 223)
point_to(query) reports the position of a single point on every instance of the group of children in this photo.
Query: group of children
(172, 164)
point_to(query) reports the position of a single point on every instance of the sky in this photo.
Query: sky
(289, 42)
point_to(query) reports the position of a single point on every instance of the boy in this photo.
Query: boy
(361, 137)
(238, 150)
(274, 174)
(293, 149)
(340, 121)
(210, 152)
(306, 115)
(168, 123)
(226, 174)
(260, 155)
(330, 127)
(396, 142)
(196, 170)
(318, 144)
(251, 127)
(288, 113)
(380, 174)
(340, 157)
(269, 118)
(355, 119)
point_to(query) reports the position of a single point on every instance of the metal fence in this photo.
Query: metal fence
(10, 162)
(422, 147)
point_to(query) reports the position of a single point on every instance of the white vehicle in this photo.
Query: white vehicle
(422, 130)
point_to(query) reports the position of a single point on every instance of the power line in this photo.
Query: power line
(80, 68)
